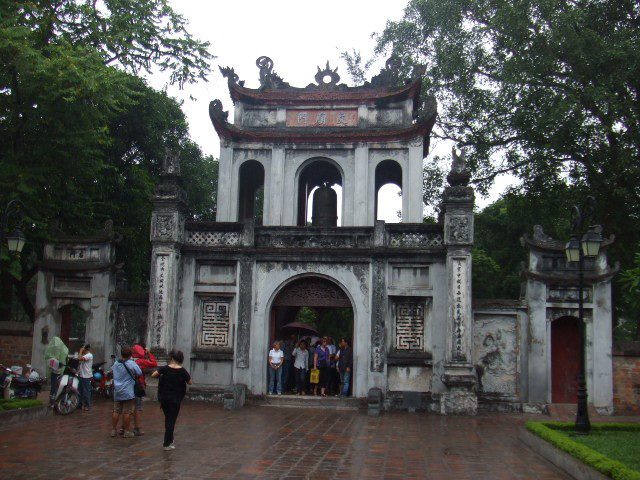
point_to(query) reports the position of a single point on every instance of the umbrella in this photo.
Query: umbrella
(299, 326)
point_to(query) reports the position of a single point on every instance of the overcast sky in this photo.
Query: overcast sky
(297, 35)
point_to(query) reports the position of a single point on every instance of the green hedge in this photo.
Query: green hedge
(15, 404)
(552, 433)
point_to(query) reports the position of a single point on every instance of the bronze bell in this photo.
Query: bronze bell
(325, 207)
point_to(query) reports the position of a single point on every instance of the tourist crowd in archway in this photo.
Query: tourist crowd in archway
(314, 366)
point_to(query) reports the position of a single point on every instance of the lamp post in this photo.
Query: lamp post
(584, 243)
(15, 239)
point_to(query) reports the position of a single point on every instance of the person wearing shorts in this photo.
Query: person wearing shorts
(124, 371)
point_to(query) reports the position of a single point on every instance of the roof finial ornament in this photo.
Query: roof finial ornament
(231, 76)
(459, 174)
(269, 78)
(332, 76)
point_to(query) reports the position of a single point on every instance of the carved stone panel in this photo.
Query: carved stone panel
(213, 239)
(164, 226)
(409, 325)
(495, 353)
(389, 117)
(415, 239)
(159, 306)
(259, 118)
(378, 314)
(245, 303)
(568, 294)
(459, 229)
(215, 322)
(312, 292)
(460, 303)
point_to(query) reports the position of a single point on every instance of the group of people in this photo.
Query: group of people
(310, 367)
(172, 387)
(129, 385)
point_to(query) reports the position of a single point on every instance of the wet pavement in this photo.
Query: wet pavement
(267, 442)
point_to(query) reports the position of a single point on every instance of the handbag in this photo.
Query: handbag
(138, 389)
(315, 376)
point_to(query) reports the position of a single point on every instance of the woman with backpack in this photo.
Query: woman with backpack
(172, 387)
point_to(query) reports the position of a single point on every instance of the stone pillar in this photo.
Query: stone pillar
(378, 310)
(275, 189)
(459, 376)
(412, 185)
(361, 188)
(167, 236)
(225, 195)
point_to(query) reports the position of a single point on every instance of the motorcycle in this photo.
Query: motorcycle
(67, 397)
(17, 385)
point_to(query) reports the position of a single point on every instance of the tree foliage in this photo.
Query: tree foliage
(545, 89)
(81, 138)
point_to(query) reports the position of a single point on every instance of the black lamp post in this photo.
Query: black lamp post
(15, 239)
(584, 243)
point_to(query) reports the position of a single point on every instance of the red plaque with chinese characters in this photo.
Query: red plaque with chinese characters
(322, 118)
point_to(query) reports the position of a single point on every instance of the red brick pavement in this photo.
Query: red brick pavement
(273, 443)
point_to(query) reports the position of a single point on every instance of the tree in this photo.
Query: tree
(547, 90)
(630, 280)
(64, 88)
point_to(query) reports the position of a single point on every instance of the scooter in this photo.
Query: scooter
(67, 397)
(17, 385)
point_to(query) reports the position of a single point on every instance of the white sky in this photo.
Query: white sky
(297, 35)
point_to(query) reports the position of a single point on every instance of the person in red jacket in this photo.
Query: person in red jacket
(144, 359)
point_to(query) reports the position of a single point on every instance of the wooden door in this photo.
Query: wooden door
(65, 324)
(565, 359)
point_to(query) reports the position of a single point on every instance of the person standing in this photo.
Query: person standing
(125, 371)
(287, 360)
(345, 366)
(172, 388)
(276, 357)
(321, 362)
(85, 372)
(301, 365)
(56, 355)
(145, 360)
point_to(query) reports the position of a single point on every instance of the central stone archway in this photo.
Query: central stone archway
(316, 301)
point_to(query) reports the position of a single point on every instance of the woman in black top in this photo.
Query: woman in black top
(172, 387)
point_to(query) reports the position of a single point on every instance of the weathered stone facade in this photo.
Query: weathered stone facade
(419, 342)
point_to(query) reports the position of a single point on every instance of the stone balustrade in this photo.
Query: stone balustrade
(235, 235)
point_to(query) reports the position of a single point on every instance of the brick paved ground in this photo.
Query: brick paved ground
(267, 442)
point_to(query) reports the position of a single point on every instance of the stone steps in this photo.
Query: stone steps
(567, 411)
(308, 401)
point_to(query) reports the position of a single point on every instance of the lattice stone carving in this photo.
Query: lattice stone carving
(415, 239)
(410, 326)
(216, 322)
(213, 239)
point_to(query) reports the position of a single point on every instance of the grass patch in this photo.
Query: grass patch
(16, 404)
(621, 438)
(615, 444)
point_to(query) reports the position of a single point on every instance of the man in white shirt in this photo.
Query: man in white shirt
(276, 357)
(85, 372)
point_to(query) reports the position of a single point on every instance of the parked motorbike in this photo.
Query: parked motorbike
(15, 384)
(67, 397)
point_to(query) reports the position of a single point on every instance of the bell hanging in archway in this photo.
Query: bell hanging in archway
(325, 207)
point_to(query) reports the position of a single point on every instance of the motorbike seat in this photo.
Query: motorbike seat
(21, 380)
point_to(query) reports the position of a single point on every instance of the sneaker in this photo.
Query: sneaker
(137, 432)
(279, 393)
(128, 435)
(170, 447)
(114, 433)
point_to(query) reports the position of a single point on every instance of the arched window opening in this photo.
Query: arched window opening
(251, 192)
(320, 183)
(388, 201)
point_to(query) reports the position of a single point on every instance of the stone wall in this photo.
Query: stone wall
(626, 378)
(129, 313)
(15, 343)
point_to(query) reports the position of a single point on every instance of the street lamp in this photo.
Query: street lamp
(584, 243)
(15, 239)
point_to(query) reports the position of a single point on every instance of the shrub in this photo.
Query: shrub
(552, 432)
